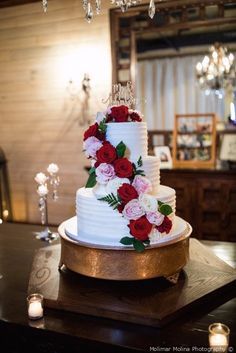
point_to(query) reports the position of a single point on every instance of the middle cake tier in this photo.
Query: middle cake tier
(96, 218)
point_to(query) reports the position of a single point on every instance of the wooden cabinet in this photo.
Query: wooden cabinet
(206, 199)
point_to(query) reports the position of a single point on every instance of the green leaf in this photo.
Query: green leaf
(147, 242)
(165, 209)
(127, 241)
(112, 200)
(91, 180)
(120, 149)
(140, 162)
(160, 203)
(139, 172)
(102, 127)
(92, 170)
(138, 245)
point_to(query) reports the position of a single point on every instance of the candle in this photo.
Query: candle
(35, 306)
(219, 337)
(218, 340)
(53, 168)
(35, 310)
(42, 190)
(40, 178)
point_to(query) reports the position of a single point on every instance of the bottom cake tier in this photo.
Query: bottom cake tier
(179, 229)
(96, 220)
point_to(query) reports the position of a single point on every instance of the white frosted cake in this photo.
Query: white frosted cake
(123, 202)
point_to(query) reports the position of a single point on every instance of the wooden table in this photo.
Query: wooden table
(67, 332)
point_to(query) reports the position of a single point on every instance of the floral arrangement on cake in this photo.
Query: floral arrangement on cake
(128, 189)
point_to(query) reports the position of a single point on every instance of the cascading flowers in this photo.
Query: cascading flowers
(126, 183)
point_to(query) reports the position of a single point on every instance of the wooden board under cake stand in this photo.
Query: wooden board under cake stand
(205, 281)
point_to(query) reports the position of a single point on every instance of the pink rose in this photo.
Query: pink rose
(155, 218)
(108, 111)
(133, 210)
(91, 146)
(104, 173)
(142, 184)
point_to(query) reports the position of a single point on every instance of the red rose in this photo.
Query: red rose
(120, 207)
(108, 119)
(127, 193)
(91, 131)
(120, 114)
(101, 135)
(123, 168)
(94, 131)
(165, 226)
(140, 228)
(135, 117)
(106, 154)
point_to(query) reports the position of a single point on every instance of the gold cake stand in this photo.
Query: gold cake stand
(119, 263)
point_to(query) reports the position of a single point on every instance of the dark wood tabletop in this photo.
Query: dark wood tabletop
(62, 331)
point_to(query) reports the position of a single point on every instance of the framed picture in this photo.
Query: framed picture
(194, 140)
(228, 148)
(163, 152)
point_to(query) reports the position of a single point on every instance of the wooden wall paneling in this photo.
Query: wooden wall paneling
(39, 123)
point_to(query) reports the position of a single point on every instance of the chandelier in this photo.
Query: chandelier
(216, 72)
(122, 4)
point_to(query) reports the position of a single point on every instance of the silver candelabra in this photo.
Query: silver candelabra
(42, 189)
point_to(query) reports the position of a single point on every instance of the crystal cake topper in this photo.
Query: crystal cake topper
(122, 95)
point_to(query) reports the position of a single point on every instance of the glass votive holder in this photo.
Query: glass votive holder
(35, 306)
(219, 337)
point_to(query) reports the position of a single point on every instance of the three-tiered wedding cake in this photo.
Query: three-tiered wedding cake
(123, 203)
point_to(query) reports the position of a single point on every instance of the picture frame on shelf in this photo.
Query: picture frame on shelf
(163, 152)
(228, 148)
(194, 140)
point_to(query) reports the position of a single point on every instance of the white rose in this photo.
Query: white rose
(100, 117)
(148, 202)
(155, 236)
(114, 184)
(40, 178)
(53, 168)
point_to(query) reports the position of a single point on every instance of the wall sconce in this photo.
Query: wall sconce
(81, 94)
(75, 90)
(86, 84)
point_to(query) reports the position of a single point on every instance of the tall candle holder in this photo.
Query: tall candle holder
(43, 191)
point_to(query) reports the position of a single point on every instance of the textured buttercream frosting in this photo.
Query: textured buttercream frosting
(97, 218)
(151, 167)
(134, 136)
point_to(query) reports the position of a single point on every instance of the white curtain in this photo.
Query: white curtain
(165, 87)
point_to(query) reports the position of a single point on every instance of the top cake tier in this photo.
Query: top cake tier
(134, 136)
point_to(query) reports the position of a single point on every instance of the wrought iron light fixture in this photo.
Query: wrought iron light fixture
(122, 4)
(216, 71)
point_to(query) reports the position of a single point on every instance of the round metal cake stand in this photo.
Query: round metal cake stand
(120, 263)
